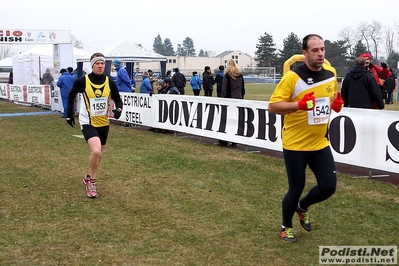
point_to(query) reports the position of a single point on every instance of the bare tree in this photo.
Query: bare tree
(363, 33)
(348, 35)
(77, 43)
(5, 51)
(375, 35)
(390, 34)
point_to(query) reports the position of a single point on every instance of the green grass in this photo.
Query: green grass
(165, 200)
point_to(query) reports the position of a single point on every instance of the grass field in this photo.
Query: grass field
(165, 200)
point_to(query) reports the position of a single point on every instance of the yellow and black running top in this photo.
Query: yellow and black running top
(306, 130)
(96, 90)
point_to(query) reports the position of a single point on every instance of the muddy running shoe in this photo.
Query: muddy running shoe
(304, 219)
(91, 186)
(287, 235)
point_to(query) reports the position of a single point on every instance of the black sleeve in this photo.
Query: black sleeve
(243, 87)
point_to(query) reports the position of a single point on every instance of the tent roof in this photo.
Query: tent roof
(126, 52)
(47, 49)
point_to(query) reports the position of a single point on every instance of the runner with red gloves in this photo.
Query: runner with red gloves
(305, 96)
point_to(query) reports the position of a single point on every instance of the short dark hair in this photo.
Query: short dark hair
(306, 39)
(96, 55)
(360, 61)
(207, 68)
(221, 67)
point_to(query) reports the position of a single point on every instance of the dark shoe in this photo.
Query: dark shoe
(287, 235)
(304, 219)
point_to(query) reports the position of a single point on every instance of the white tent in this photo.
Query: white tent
(128, 53)
(6, 62)
(125, 51)
(30, 65)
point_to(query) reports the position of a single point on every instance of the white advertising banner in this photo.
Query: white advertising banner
(30, 94)
(361, 137)
(19, 36)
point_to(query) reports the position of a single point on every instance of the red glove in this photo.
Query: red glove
(308, 102)
(338, 103)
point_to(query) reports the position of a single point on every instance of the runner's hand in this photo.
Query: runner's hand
(308, 102)
(338, 103)
(70, 121)
(117, 113)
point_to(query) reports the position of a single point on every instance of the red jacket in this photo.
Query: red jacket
(379, 73)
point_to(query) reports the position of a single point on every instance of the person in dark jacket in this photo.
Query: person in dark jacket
(166, 87)
(389, 85)
(219, 81)
(360, 89)
(207, 81)
(65, 83)
(232, 87)
(179, 80)
(10, 78)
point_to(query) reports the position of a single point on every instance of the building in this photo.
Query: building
(188, 64)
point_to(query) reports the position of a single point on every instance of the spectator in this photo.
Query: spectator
(145, 86)
(152, 78)
(179, 80)
(10, 78)
(219, 81)
(167, 87)
(195, 83)
(380, 73)
(304, 138)
(122, 78)
(232, 87)
(70, 71)
(359, 88)
(48, 79)
(65, 83)
(96, 88)
(207, 81)
(389, 85)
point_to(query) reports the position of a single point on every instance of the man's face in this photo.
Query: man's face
(367, 63)
(315, 53)
(98, 67)
(159, 86)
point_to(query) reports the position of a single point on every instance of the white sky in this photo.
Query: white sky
(213, 25)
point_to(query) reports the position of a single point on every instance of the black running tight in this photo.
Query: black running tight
(322, 165)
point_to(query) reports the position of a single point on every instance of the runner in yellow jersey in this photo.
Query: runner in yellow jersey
(96, 91)
(305, 96)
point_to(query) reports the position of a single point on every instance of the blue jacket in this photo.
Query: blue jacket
(145, 86)
(122, 80)
(195, 82)
(65, 83)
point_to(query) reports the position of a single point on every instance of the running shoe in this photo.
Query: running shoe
(304, 219)
(287, 235)
(91, 186)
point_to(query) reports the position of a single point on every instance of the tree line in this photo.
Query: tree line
(366, 37)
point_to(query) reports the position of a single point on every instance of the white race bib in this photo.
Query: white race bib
(321, 112)
(98, 106)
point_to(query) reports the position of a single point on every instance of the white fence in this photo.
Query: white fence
(360, 137)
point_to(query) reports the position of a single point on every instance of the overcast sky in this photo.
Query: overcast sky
(212, 25)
